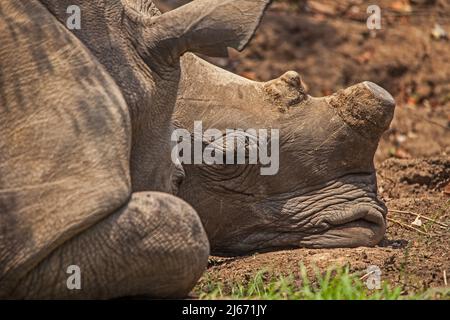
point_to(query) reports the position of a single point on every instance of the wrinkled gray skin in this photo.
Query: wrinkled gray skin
(84, 144)
(324, 194)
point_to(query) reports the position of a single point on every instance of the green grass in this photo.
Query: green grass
(335, 284)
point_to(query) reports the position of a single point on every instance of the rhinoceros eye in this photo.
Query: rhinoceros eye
(230, 167)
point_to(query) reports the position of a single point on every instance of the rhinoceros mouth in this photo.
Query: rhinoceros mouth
(362, 225)
(373, 221)
(365, 226)
(360, 215)
(361, 232)
(343, 213)
(357, 221)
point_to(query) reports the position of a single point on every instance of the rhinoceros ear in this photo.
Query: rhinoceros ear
(207, 26)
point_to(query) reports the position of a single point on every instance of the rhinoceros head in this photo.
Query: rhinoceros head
(324, 193)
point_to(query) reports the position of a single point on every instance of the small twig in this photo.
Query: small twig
(386, 178)
(366, 275)
(408, 227)
(421, 216)
(430, 121)
(445, 278)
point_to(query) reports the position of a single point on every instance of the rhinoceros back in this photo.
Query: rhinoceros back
(64, 139)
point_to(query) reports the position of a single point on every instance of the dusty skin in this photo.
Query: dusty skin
(85, 122)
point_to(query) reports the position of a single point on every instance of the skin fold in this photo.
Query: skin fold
(324, 194)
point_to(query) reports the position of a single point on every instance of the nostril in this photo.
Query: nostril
(374, 216)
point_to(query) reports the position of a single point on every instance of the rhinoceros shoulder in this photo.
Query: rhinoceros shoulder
(64, 139)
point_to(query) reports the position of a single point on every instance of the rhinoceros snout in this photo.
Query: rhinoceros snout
(380, 94)
(382, 105)
(366, 107)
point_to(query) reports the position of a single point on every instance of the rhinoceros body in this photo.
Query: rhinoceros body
(85, 145)
(85, 152)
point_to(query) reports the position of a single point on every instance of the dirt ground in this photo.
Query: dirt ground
(329, 44)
